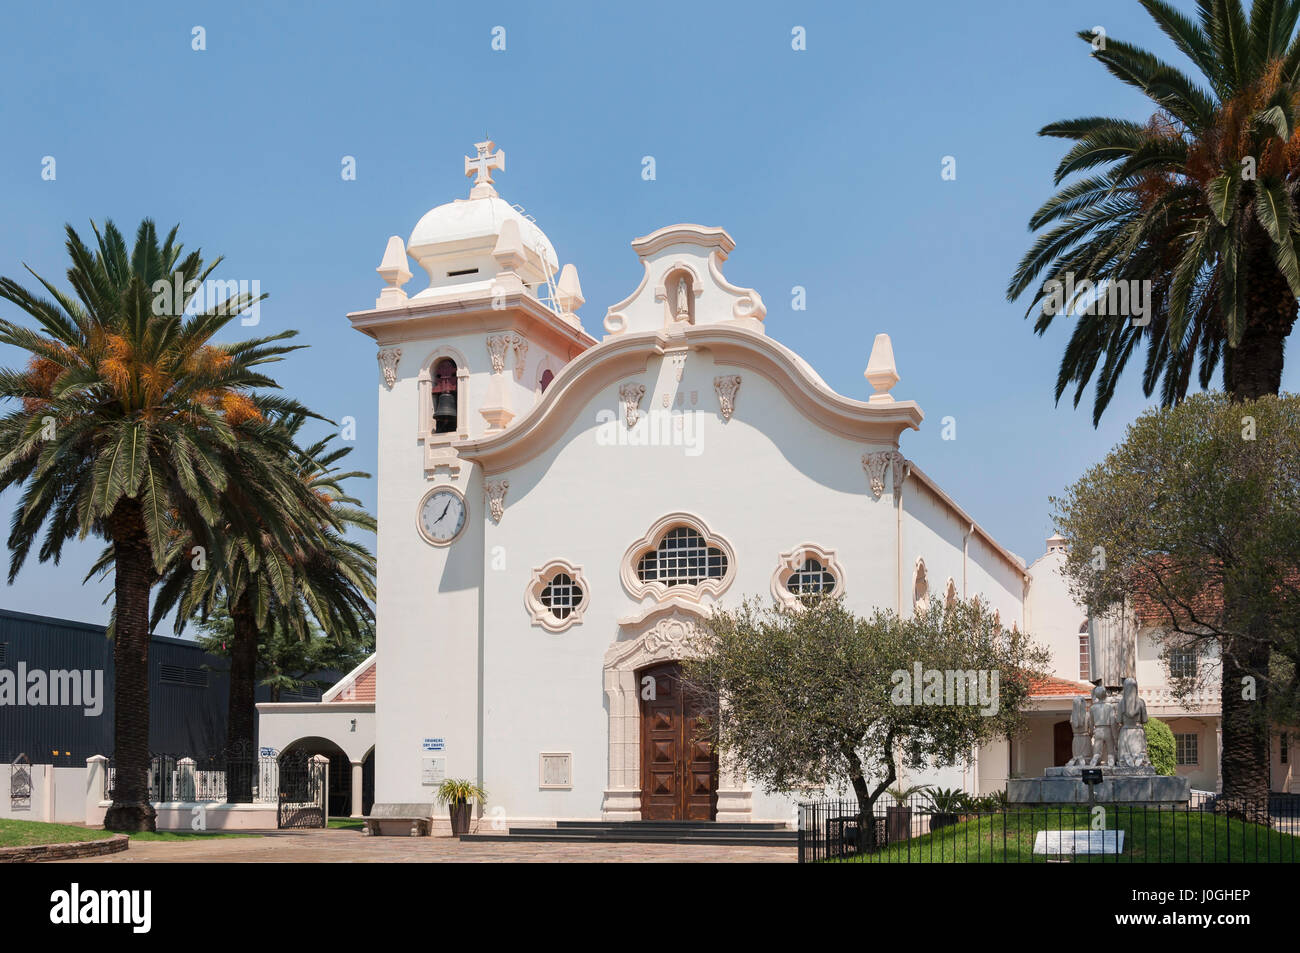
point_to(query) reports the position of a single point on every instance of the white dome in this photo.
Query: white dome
(468, 219)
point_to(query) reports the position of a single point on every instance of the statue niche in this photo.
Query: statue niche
(678, 295)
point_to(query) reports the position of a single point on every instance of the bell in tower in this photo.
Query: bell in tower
(444, 397)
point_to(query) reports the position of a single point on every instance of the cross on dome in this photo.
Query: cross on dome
(481, 167)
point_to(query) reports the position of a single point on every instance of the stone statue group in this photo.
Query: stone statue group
(1109, 734)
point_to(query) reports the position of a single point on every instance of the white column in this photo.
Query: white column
(1218, 754)
(356, 789)
(96, 773)
(324, 762)
(185, 780)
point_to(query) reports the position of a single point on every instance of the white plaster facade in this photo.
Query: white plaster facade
(684, 413)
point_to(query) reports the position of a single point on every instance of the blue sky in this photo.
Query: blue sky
(823, 164)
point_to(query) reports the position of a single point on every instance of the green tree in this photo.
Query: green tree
(1160, 747)
(127, 410)
(287, 662)
(1194, 521)
(1199, 200)
(817, 696)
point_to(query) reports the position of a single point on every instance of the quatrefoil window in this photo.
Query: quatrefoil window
(557, 596)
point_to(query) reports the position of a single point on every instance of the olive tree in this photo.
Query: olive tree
(816, 696)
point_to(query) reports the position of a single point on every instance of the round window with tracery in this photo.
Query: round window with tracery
(561, 595)
(556, 596)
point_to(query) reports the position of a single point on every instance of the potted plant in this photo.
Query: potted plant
(946, 806)
(898, 819)
(458, 794)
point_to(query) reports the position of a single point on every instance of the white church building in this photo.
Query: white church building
(558, 510)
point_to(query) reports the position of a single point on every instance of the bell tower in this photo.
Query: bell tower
(467, 355)
(496, 323)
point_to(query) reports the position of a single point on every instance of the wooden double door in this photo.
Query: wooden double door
(679, 773)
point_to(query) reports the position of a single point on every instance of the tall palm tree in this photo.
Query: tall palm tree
(126, 411)
(1200, 200)
(264, 582)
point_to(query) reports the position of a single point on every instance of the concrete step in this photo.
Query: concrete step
(621, 833)
(551, 835)
(674, 825)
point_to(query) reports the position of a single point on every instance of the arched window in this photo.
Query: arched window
(547, 376)
(446, 405)
(682, 558)
(811, 579)
(806, 573)
(679, 556)
(950, 596)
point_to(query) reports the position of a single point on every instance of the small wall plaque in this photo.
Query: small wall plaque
(433, 771)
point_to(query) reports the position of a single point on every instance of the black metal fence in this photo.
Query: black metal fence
(236, 776)
(921, 829)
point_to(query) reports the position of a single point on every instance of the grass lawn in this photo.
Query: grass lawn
(1151, 836)
(31, 833)
(346, 824)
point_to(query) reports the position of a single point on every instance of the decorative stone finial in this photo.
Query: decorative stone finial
(569, 292)
(881, 371)
(481, 167)
(509, 250)
(395, 273)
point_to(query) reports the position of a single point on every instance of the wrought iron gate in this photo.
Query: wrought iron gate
(303, 790)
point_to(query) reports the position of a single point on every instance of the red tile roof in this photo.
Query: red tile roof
(362, 689)
(1051, 687)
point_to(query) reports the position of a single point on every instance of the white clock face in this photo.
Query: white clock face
(442, 516)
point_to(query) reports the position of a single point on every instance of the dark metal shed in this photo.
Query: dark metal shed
(187, 692)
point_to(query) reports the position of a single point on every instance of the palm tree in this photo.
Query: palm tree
(267, 581)
(127, 411)
(1199, 200)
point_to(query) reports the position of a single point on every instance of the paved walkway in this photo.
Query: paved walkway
(352, 847)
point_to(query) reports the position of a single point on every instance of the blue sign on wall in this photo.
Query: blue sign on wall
(433, 744)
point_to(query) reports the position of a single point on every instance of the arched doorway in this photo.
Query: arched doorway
(664, 634)
(679, 772)
(340, 771)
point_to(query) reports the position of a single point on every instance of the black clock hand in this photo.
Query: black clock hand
(443, 513)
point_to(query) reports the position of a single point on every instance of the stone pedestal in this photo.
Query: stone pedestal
(1119, 785)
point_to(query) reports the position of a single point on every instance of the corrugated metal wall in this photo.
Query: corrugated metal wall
(187, 693)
